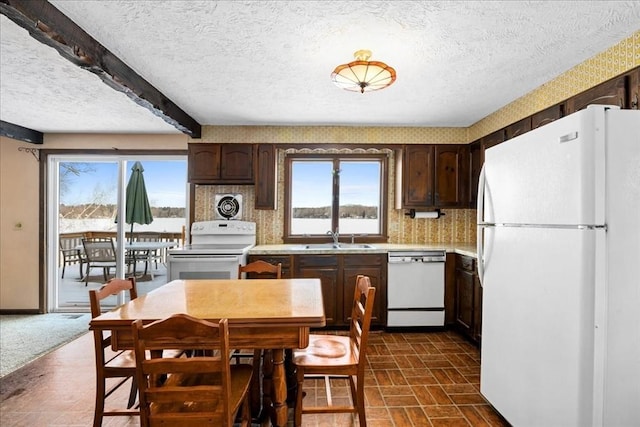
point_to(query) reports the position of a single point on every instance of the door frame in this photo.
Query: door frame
(49, 203)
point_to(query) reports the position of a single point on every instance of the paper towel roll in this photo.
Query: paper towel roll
(431, 214)
(435, 214)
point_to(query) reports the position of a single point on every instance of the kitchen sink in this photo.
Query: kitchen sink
(339, 246)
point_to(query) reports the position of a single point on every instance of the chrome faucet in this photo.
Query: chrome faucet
(335, 235)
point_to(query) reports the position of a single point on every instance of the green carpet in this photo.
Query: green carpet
(24, 338)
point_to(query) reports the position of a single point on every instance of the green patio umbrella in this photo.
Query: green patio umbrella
(138, 210)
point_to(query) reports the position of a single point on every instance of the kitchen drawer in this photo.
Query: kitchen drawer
(317, 261)
(465, 263)
(365, 259)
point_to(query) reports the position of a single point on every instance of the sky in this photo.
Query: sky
(165, 180)
(359, 183)
(166, 183)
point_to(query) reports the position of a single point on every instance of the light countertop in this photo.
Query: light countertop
(465, 248)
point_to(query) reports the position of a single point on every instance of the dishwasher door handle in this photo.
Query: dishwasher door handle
(416, 259)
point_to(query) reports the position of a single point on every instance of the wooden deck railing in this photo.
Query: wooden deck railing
(165, 236)
(70, 241)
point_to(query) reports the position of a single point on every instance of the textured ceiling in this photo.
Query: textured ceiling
(269, 62)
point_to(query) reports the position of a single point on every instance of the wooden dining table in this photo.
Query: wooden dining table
(274, 314)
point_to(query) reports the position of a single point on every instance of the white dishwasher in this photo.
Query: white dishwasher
(415, 288)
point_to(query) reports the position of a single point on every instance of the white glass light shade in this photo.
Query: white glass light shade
(362, 75)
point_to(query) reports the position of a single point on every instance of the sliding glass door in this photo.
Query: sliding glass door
(86, 198)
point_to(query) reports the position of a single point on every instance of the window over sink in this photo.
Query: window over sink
(329, 192)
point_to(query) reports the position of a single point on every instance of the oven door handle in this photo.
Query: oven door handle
(202, 259)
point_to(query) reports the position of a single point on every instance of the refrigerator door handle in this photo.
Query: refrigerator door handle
(480, 231)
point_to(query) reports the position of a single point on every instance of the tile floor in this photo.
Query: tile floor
(412, 379)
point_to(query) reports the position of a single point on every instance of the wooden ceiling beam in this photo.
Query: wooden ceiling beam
(20, 133)
(48, 25)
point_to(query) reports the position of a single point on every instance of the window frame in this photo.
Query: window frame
(383, 159)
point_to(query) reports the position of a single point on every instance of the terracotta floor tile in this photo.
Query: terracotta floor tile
(439, 395)
(467, 398)
(396, 376)
(417, 416)
(449, 422)
(423, 396)
(456, 376)
(400, 417)
(381, 413)
(425, 379)
(442, 411)
(459, 388)
(396, 391)
(403, 401)
(491, 415)
(473, 416)
(442, 376)
(383, 377)
(411, 379)
(373, 396)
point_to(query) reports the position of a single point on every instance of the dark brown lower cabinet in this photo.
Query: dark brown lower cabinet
(325, 268)
(468, 298)
(374, 266)
(337, 273)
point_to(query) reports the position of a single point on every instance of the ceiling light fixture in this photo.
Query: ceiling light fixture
(363, 75)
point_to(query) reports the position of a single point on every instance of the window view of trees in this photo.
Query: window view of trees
(335, 191)
(88, 195)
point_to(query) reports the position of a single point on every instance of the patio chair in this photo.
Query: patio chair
(69, 251)
(99, 254)
(147, 256)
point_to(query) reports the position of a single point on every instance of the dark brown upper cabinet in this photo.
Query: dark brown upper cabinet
(266, 177)
(434, 176)
(475, 164)
(517, 128)
(547, 115)
(221, 163)
(450, 184)
(490, 140)
(417, 176)
(633, 91)
(611, 92)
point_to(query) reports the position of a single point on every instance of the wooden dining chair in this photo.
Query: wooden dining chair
(119, 366)
(201, 390)
(260, 269)
(330, 356)
(256, 269)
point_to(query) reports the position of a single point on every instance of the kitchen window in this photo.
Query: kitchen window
(329, 192)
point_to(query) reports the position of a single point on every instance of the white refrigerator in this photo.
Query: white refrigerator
(559, 264)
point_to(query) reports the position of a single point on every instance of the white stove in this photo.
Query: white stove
(217, 249)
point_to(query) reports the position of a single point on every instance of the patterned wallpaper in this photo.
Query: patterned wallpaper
(611, 63)
(457, 225)
(332, 135)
